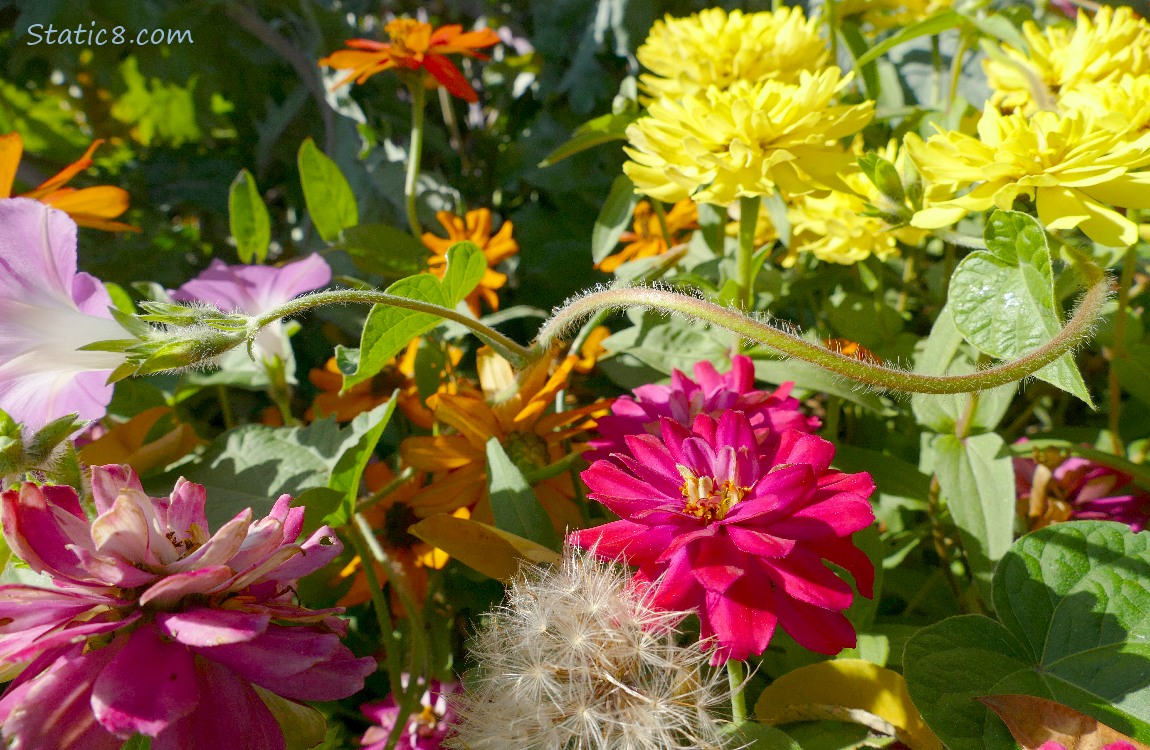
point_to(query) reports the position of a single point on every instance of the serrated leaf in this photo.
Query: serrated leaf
(329, 198)
(848, 690)
(384, 250)
(348, 470)
(978, 485)
(514, 505)
(1003, 298)
(613, 217)
(493, 552)
(1074, 605)
(603, 129)
(389, 329)
(248, 217)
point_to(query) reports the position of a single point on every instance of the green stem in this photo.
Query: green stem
(553, 469)
(661, 217)
(1118, 349)
(379, 604)
(376, 497)
(226, 407)
(736, 677)
(415, 153)
(745, 255)
(956, 71)
(831, 7)
(1076, 331)
(517, 355)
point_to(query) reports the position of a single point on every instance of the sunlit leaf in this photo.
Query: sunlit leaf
(489, 550)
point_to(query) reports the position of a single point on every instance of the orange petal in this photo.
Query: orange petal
(444, 71)
(438, 452)
(103, 201)
(65, 174)
(470, 415)
(11, 149)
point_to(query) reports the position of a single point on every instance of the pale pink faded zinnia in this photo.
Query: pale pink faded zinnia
(1081, 490)
(427, 727)
(48, 311)
(728, 525)
(156, 626)
(769, 412)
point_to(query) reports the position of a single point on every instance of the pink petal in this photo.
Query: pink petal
(777, 493)
(743, 624)
(147, 686)
(168, 591)
(843, 552)
(186, 515)
(109, 481)
(123, 531)
(816, 629)
(800, 448)
(221, 548)
(620, 489)
(41, 533)
(204, 626)
(626, 539)
(79, 633)
(757, 542)
(804, 577)
(318, 551)
(230, 714)
(841, 516)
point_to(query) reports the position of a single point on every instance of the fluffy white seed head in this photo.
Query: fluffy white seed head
(577, 659)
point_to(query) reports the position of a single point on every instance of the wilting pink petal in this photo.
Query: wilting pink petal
(722, 520)
(426, 729)
(1077, 489)
(48, 312)
(171, 655)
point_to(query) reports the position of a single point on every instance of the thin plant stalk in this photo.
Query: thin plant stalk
(1118, 349)
(736, 676)
(415, 154)
(745, 254)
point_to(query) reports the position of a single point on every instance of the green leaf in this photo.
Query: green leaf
(389, 329)
(349, 469)
(385, 250)
(1003, 298)
(303, 727)
(947, 19)
(978, 485)
(759, 736)
(514, 505)
(603, 129)
(613, 217)
(1074, 604)
(250, 224)
(329, 198)
(137, 742)
(943, 354)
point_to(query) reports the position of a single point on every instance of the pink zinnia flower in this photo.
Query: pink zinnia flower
(157, 627)
(48, 311)
(426, 729)
(770, 413)
(1079, 489)
(736, 529)
(255, 290)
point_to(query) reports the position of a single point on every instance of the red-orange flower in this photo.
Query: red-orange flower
(414, 45)
(474, 227)
(89, 207)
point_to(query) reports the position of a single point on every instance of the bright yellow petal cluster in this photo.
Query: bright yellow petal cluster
(885, 14)
(1115, 42)
(1070, 167)
(750, 139)
(712, 48)
(1118, 104)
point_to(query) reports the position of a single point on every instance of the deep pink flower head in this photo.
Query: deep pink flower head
(48, 311)
(255, 290)
(426, 728)
(770, 413)
(737, 529)
(158, 627)
(1079, 489)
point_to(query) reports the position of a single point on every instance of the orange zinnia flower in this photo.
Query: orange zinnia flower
(532, 437)
(369, 394)
(647, 241)
(414, 45)
(90, 207)
(474, 227)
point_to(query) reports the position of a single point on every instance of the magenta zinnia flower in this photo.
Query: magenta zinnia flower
(1081, 490)
(255, 290)
(725, 524)
(48, 311)
(156, 626)
(426, 728)
(770, 413)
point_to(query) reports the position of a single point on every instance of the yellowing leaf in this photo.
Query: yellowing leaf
(489, 550)
(1034, 721)
(125, 443)
(850, 690)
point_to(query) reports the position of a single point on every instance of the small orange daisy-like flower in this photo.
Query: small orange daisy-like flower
(592, 349)
(474, 227)
(414, 45)
(371, 393)
(532, 434)
(93, 207)
(647, 240)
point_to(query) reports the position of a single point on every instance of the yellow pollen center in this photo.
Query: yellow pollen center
(409, 38)
(704, 499)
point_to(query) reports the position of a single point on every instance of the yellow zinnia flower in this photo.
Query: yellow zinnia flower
(646, 240)
(747, 140)
(1068, 166)
(1119, 104)
(532, 437)
(1113, 43)
(712, 48)
(474, 227)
